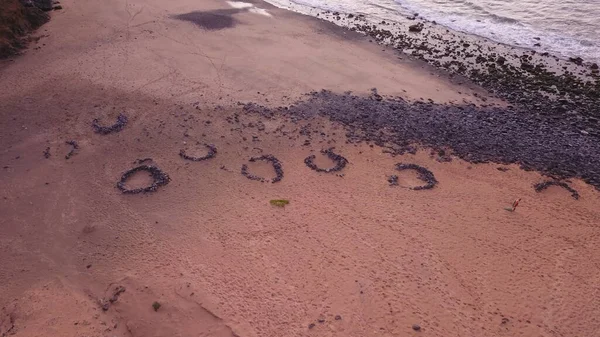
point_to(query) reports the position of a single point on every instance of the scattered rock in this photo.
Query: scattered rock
(376, 95)
(416, 327)
(106, 303)
(117, 292)
(74, 147)
(142, 160)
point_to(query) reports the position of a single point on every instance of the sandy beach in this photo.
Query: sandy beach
(349, 255)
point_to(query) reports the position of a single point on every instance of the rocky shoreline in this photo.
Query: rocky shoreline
(538, 82)
(550, 123)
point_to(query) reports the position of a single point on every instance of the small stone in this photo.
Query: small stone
(311, 325)
(415, 28)
(576, 60)
(416, 327)
(338, 317)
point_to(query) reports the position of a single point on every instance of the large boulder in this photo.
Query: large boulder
(416, 28)
(17, 20)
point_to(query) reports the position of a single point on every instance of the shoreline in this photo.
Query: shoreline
(412, 16)
(537, 81)
(568, 120)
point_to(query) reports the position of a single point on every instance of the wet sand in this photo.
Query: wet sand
(349, 256)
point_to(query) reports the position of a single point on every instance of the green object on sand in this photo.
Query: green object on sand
(155, 306)
(279, 202)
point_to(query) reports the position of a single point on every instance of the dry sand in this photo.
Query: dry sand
(208, 246)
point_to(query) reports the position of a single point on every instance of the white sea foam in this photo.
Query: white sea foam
(239, 4)
(566, 31)
(259, 11)
(251, 8)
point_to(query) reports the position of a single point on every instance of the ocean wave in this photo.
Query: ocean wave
(472, 18)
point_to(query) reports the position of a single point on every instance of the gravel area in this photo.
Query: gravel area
(550, 144)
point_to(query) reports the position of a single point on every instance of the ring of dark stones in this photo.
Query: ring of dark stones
(104, 130)
(270, 158)
(544, 185)
(159, 179)
(340, 162)
(212, 152)
(424, 175)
